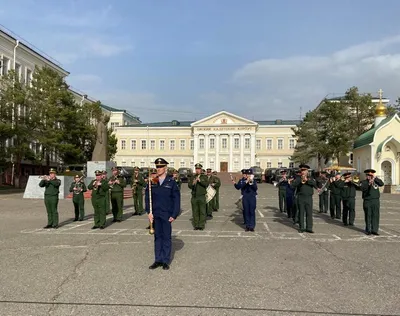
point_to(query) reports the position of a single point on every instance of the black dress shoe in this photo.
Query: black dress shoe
(247, 229)
(351, 224)
(376, 234)
(301, 230)
(345, 224)
(114, 220)
(367, 233)
(155, 265)
(165, 266)
(48, 226)
(75, 220)
(196, 228)
(102, 227)
(200, 228)
(251, 229)
(94, 227)
(310, 231)
(118, 221)
(55, 227)
(81, 220)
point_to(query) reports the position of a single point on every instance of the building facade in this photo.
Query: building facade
(223, 141)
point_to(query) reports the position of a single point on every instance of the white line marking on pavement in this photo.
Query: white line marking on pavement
(386, 232)
(185, 212)
(267, 228)
(261, 214)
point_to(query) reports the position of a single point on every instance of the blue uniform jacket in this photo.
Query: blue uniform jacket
(246, 189)
(166, 199)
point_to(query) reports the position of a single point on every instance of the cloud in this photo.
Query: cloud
(104, 49)
(303, 81)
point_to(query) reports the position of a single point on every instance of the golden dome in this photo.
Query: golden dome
(380, 109)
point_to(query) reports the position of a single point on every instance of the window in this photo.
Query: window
(183, 144)
(201, 143)
(114, 124)
(224, 143)
(192, 144)
(212, 143)
(123, 144)
(258, 164)
(18, 71)
(291, 164)
(247, 143)
(258, 144)
(172, 164)
(269, 164)
(162, 144)
(172, 144)
(247, 164)
(152, 144)
(280, 143)
(133, 144)
(192, 165)
(291, 143)
(236, 165)
(182, 164)
(279, 164)
(28, 77)
(142, 164)
(236, 143)
(144, 144)
(5, 66)
(269, 144)
(212, 165)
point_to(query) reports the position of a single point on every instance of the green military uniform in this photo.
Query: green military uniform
(217, 185)
(283, 182)
(117, 195)
(51, 199)
(108, 195)
(138, 184)
(198, 184)
(348, 196)
(305, 192)
(335, 199)
(323, 184)
(210, 204)
(371, 204)
(177, 179)
(99, 189)
(295, 214)
(77, 189)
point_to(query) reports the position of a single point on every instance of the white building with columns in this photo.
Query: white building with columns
(223, 141)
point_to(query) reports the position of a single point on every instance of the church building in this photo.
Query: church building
(379, 149)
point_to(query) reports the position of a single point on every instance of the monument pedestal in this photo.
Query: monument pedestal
(92, 166)
(33, 191)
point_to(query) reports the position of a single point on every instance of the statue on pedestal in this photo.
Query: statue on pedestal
(100, 149)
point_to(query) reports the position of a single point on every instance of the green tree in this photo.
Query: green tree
(112, 144)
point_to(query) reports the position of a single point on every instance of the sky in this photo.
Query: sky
(186, 59)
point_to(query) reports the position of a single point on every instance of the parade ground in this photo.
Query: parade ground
(222, 270)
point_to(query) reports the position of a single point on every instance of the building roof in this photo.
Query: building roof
(29, 47)
(388, 139)
(175, 123)
(111, 109)
(368, 137)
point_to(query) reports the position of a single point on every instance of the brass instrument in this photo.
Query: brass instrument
(78, 186)
(196, 178)
(323, 188)
(303, 179)
(96, 184)
(44, 177)
(112, 181)
(372, 182)
(151, 230)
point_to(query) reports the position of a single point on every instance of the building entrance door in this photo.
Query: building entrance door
(223, 167)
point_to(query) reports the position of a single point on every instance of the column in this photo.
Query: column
(253, 150)
(217, 166)
(230, 144)
(206, 163)
(196, 148)
(241, 165)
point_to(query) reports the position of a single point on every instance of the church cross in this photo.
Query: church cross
(380, 93)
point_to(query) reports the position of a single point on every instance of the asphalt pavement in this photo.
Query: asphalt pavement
(222, 270)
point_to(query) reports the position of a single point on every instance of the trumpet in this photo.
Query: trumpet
(303, 179)
(44, 177)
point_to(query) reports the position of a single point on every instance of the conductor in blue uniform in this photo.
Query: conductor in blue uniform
(248, 187)
(166, 205)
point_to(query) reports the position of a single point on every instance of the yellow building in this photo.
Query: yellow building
(222, 141)
(379, 149)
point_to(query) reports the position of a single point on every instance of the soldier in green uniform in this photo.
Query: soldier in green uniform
(175, 176)
(371, 204)
(282, 184)
(51, 185)
(138, 184)
(216, 187)
(117, 183)
(107, 201)
(77, 188)
(323, 184)
(348, 196)
(295, 214)
(210, 204)
(305, 189)
(198, 183)
(100, 189)
(335, 198)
